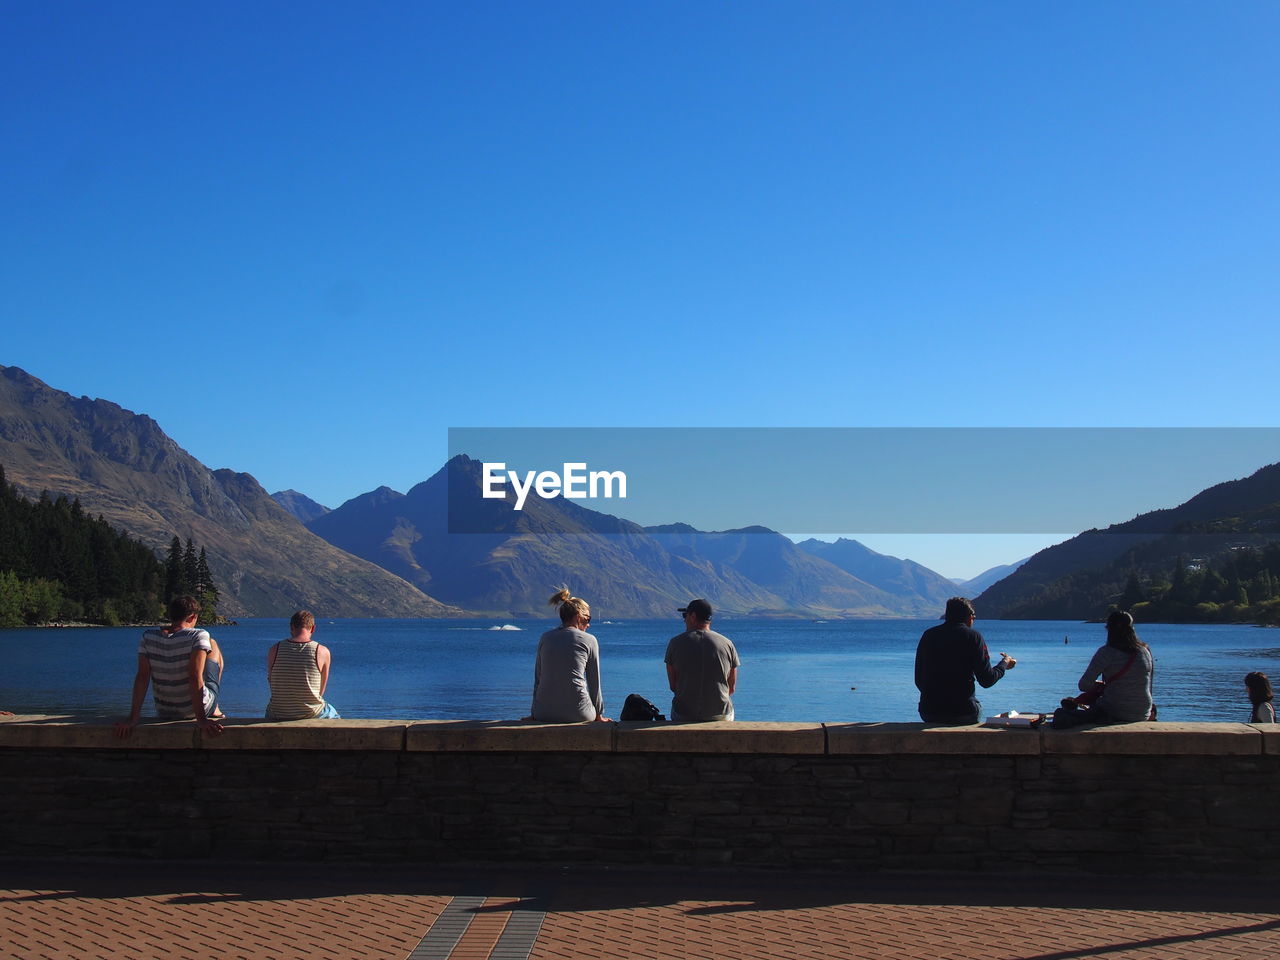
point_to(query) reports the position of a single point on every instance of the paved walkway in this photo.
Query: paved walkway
(176, 911)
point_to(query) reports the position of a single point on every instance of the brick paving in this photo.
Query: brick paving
(175, 911)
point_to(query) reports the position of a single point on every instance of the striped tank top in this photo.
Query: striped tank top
(295, 682)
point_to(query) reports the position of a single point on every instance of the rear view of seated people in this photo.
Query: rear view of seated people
(949, 659)
(702, 668)
(566, 670)
(183, 667)
(1125, 667)
(1259, 687)
(298, 672)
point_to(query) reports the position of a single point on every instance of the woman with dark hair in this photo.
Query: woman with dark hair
(1124, 666)
(1259, 688)
(566, 674)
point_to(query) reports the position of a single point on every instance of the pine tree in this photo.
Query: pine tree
(1212, 587)
(173, 570)
(56, 561)
(1265, 586)
(1133, 594)
(1178, 590)
(206, 589)
(189, 571)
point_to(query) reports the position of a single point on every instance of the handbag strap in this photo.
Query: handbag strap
(1123, 670)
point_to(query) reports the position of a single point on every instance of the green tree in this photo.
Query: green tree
(41, 601)
(56, 561)
(1179, 589)
(190, 563)
(1262, 587)
(11, 597)
(1132, 592)
(206, 589)
(1213, 587)
(173, 570)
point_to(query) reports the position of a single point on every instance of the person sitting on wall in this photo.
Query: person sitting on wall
(702, 668)
(1259, 687)
(949, 658)
(566, 670)
(183, 667)
(1117, 680)
(298, 672)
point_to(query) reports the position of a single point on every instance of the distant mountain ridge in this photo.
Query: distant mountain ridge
(300, 506)
(899, 577)
(386, 553)
(122, 465)
(519, 558)
(1083, 576)
(976, 585)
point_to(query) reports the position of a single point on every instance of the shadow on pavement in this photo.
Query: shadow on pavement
(554, 888)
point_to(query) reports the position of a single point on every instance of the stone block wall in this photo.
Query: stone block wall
(1135, 799)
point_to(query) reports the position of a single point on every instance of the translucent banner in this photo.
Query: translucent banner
(845, 480)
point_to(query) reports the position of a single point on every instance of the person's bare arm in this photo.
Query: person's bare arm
(195, 684)
(733, 680)
(124, 728)
(671, 677)
(322, 664)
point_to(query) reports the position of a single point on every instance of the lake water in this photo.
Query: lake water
(791, 670)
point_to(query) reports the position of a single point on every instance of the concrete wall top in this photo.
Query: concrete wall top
(1139, 739)
(732, 737)
(468, 736)
(881, 738)
(475, 736)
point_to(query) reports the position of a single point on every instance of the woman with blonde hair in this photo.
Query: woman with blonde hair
(566, 674)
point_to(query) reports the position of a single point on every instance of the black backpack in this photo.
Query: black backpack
(637, 707)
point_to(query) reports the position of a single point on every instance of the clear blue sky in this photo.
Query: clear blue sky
(309, 238)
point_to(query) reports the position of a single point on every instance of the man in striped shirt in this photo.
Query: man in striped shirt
(172, 660)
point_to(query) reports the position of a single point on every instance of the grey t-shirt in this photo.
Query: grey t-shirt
(702, 660)
(566, 677)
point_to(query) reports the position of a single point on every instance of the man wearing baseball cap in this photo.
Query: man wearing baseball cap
(702, 668)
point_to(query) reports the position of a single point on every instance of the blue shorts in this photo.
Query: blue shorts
(328, 713)
(212, 686)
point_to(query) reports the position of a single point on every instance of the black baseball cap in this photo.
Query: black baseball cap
(699, 608)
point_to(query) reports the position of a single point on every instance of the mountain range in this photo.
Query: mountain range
(975, 585)
(299, 505)
(898, 577)
(123, 466)
(386, 553)
(1081, 577)
(517, 559)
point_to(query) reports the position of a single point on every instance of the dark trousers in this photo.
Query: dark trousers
(953, 718)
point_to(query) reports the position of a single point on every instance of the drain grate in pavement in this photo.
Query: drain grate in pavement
(447, 930)
(517, 940)
(515, 943)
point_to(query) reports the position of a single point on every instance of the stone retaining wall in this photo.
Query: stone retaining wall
(1162, 797)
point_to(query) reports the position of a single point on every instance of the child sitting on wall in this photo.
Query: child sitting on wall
(1259, 688)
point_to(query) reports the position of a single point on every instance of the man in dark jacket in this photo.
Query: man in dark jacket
(948, 660)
